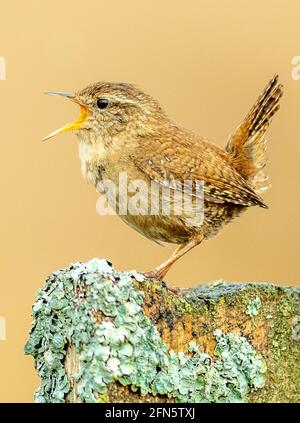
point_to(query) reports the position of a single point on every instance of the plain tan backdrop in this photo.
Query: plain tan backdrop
(206, 61)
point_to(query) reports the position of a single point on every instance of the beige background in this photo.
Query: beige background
(206, 61)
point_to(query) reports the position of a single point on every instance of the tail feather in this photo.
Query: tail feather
(247, 145)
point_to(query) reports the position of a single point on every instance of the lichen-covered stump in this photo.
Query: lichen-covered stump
(105, 336)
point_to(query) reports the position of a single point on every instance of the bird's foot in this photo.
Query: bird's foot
(155, 274)
(173, 290)
(158, 275)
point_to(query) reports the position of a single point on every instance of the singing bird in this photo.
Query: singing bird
(122, 129)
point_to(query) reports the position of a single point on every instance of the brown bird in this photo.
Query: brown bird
(123, 130)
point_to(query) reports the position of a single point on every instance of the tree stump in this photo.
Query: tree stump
(100, 335)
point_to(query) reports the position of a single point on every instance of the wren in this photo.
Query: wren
(123, 130)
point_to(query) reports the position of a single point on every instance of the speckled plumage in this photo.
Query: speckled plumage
(136, 136)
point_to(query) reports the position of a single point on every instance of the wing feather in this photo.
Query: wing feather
(186, 157)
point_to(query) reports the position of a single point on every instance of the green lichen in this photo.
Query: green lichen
(99, 311)
(253, 307)
(182, 305)
(284, 351)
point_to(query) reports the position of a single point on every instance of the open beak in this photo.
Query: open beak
(69, 126)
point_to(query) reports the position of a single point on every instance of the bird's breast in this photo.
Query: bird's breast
(93, 159)
(106, 160)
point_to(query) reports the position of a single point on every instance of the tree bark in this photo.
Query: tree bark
(100, 335)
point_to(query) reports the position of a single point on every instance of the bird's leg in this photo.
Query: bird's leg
(160, 271)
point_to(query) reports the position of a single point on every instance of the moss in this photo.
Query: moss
(100, 312)
(283, 350)
(182, 305)
(103, 398)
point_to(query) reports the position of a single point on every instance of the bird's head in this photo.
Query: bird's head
(110, 108)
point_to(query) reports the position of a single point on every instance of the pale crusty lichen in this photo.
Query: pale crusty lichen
(98, 310)
(296, 328)
(253, 307)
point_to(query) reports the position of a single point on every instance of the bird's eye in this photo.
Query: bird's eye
(102, 103)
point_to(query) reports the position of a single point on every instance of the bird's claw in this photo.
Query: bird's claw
(157, 275)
